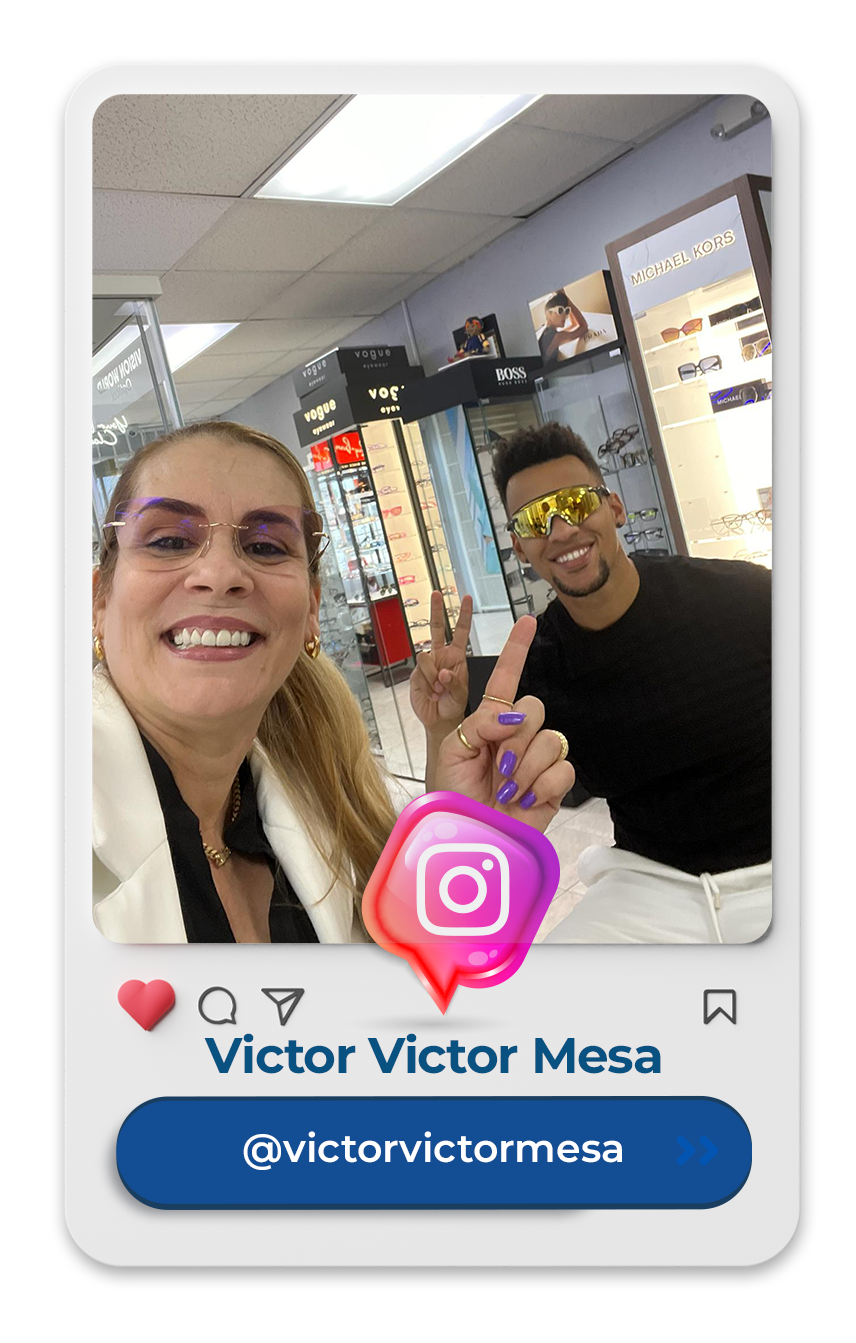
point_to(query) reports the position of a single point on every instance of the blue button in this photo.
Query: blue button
(438, 1152)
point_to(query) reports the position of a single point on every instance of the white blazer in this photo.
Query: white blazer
(134, 891)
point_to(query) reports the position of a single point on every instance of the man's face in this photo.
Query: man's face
(576, 561)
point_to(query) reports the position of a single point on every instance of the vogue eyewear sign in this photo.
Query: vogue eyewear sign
(348, 359)
(703, 250)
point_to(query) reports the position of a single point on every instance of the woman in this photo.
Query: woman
(235, 795)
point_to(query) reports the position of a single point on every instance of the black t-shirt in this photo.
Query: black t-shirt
(668, 711)
(204, 916)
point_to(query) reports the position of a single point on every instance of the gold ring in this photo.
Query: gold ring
(462, 739)
(564, 741)
(497, 700)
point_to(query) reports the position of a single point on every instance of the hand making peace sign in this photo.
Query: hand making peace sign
(502, 755)
(438, 686)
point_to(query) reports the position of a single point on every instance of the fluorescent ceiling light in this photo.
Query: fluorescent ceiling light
(379, 148)
(184, 343)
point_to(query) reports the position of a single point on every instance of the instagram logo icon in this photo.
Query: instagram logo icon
(490, 871)
(460, 892)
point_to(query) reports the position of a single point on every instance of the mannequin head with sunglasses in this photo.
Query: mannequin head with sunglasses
(570, 539)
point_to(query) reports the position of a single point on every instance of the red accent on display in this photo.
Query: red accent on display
(390, 631)
(321, 459)
(348, 449)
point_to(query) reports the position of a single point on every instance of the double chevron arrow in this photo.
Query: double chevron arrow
(688, 1150)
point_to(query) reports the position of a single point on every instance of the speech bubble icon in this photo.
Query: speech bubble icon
(217, 1006)
(459, 892)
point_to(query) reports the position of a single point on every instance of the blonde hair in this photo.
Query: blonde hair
(312, 731)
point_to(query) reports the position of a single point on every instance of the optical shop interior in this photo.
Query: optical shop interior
(395, 287)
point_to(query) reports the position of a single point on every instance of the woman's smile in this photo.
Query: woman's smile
(201, 638)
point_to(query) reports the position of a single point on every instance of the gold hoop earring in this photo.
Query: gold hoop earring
(312, 647)
(98, 647)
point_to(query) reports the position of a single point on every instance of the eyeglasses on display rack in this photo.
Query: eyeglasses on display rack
(754, 556)
(737, 310)
(573, 504)
(689, 328)
(166, 534)
(391, 489)
(643, 515)
(407, 578)
(618, 439)
(756, 349)
(392, 512)
(687, 372)
(396, 536)
(639, 458)
(407, 555)
(412, 601)
(656, 532)
(735, 524)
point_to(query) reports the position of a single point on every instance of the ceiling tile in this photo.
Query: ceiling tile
(211, 410)
(215, 296)
(219, 367)
(544, 163)
(325, 294)
(279, 235)
(407, 240)
(294, 359)
(136, 231)
(215, 145)
(629, 116)
(197, 393)
(498, 227)
(273, 337)
(249, 386)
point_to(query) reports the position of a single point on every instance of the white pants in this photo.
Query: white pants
(631, 899)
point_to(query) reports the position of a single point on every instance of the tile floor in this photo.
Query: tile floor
(571, 830)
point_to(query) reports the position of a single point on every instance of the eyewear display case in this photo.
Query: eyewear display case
(694, 292)
(451, 422)
(594, 395)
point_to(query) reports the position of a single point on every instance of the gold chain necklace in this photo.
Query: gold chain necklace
(220, 856)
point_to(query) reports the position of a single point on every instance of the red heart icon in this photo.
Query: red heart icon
(146, 1003)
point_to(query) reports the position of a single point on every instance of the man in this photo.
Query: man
(657, 670)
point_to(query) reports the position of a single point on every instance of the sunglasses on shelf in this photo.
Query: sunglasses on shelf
(737, 310)
(392, 512)
(643, 515)
(412, 601)
(686, 372)
(573, 504)
(756, 349)
(689, 328)
(633, 459)
(619, 438)
(390, 489)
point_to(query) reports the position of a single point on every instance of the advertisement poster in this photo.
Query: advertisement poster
(573, 319)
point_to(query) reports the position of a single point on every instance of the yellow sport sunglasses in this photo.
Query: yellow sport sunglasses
(574, 504)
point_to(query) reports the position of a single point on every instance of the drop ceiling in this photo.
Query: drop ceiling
(171, 175)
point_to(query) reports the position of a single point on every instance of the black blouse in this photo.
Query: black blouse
(204, 916)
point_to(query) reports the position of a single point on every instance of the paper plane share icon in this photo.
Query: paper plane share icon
(286, 1000)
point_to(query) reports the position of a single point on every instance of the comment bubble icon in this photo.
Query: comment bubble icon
(460, 892)
(217, 1006)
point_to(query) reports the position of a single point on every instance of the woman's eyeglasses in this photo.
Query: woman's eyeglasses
(689, 328)
(165, 534)
(574, 504)
(756, 349)
(686, 372)
(619, 438)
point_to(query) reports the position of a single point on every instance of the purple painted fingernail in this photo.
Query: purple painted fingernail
(506, 718)
(507, 763)
(527, 799)
(507, 791)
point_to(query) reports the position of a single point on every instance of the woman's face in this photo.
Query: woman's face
(173, 686)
